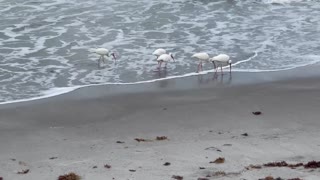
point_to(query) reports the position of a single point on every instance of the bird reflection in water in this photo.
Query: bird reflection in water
(159, 75)
(217, 78)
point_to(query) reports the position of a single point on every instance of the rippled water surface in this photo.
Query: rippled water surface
(45, 44)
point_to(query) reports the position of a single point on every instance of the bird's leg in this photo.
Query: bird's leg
(198, 67)
(165, 66)
(221, 69)
(160, 64)
(201, 66)
(99, 61)
(103, 59)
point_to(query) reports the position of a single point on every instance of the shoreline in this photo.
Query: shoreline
(77, 131)
(201, 80)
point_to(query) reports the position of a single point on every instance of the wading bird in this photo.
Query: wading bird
(220, 60)
(164, 58)
(104, 52)
(202, 58)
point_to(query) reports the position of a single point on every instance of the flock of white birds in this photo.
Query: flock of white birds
(163, 57)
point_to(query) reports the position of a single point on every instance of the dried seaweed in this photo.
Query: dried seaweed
(70, 176)
(23, 171)
(312, 165)
(219, 173)
(276, 164)
(142, 140)
(161, 138)
(107, 166)
(256, 113)
(177, 177)
(218, 160)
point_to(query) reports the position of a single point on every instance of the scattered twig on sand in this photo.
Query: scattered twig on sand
(107, 166)
(218, 160)
(23, 171)
(161, 138)
(256, 113)
(253, 167)
(142, 140)
(213, 148)
(202, 168)
(219, 173)
(53, 158)
(132, 170)
(70, 176)
(177, 177)
(167, 164)
(120, 142)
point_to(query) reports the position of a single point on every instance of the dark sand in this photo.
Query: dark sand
(81, 128)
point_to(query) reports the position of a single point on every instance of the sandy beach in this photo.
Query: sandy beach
(203, 119)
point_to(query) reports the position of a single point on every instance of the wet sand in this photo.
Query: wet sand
(203, 118)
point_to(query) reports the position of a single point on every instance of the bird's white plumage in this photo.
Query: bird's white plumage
(159, 52)
(101, 51)
(221, 58)
(165, 57)
(201, 56)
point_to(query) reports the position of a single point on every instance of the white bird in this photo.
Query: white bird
(159, 52)
(221, 59)
(104, 52)
(164, 58)
(201, 57)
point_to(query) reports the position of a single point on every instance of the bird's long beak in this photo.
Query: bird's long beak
(214, 65)
(114, 56)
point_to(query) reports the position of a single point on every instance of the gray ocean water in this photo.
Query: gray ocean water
(45, 44)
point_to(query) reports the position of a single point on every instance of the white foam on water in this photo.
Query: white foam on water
(63, 90)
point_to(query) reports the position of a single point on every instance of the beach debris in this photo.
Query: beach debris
(23, 171)
(132, 170)
(177, 177)
(70, 176)
(120, 142)
(245, 134)
(167, 164)
(142, 140)
(107, 166)
(161, 138)
(53, 158)
(227, 145)
(253, 167)
(219, 173)
(202, 168)
(213, 148)
(256, 113)
(312, 164)
(94, 167)
(219, 160)
(276, 164)
(220, 132)
(295, 179)
(268, 178)
(203, 179)
(210, 131)
(12, 159)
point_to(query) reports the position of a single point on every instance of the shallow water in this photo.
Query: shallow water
(44, 45)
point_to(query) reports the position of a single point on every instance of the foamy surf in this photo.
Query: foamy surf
(63, 90)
